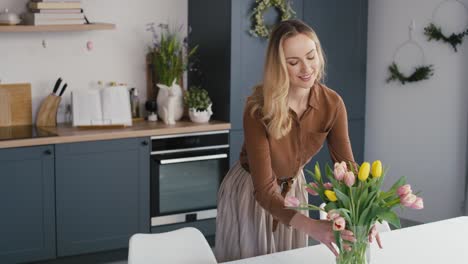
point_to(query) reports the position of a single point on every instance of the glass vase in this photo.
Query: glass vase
(360, 250)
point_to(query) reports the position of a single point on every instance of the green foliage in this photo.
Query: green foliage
(435, 33)
(169, 54)
(420, 73)
(363, 204)
(197, 98)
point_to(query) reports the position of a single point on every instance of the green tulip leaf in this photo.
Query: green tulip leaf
(342, 197)
(391, 217)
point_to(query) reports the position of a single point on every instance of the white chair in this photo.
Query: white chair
(381, 227)
(186, 245)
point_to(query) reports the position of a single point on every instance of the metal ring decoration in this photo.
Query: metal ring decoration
(434, 32)
(420, 73)
(259, 28)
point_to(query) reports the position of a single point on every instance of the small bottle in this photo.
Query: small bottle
(135, 103)
(68, 114)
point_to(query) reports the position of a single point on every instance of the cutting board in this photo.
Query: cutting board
(15, 104)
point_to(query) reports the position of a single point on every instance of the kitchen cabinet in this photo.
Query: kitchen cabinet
(102, 194)
(27, 205)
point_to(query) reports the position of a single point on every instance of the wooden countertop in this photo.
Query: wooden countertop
(67, 134)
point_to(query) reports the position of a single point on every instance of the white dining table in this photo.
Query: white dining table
(443, 241)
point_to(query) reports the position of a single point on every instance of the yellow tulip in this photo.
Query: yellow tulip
(318, 174)
(376, 169)
(364, 171)
(331, 195)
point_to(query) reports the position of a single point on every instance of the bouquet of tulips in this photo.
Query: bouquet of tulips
(357, 204)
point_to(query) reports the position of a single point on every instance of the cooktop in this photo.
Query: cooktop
(24, 132)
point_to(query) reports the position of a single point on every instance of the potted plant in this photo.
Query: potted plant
(169, 59)
(199, 104)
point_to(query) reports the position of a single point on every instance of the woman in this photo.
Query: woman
(286, 121)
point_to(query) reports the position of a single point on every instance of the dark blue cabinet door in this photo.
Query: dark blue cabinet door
(102, 194)
(236, 139)
(342, 29)
(27, 218)
(248, 55)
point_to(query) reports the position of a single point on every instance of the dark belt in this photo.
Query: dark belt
(285, 185)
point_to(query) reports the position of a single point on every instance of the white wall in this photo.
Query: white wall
(419, 129)
(118, 55)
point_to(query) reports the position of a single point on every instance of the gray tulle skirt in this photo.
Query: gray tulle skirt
(244, 228)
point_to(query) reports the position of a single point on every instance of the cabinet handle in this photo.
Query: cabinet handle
(48, 152)
(144, 143)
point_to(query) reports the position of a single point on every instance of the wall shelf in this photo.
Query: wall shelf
(57, 28)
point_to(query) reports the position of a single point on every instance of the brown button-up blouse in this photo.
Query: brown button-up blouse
(268, 159)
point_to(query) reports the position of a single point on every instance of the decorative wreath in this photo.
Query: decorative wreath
(420, 73)
(434, 32)
(259, 29)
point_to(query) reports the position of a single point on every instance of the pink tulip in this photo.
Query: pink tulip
(339, 173)
(291, 201)
(328, 185)
(404, 190)
(418, 204)
(408, 199)
(349, 178)
(312, 191)
(373, 231)
(339, 224)
(332, 215)
(341, 164)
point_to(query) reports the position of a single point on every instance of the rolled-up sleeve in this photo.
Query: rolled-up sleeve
(266, 189)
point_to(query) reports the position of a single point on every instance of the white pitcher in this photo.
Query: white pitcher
(170, 103)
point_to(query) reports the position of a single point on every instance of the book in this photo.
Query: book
(40, 17)
(54, 5)
(57, 11)
(108, 106)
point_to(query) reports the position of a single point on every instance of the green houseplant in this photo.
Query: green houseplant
(169, 59)
(169, 53)
(199, 104)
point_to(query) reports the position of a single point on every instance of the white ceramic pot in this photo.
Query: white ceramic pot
(200, 116)
(170, 102)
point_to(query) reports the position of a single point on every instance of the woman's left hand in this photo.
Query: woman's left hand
(373, 233)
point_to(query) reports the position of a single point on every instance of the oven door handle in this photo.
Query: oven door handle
(197, 158)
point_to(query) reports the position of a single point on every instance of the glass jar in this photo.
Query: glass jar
(360, 250)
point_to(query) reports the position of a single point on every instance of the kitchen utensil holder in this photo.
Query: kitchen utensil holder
(47, 115)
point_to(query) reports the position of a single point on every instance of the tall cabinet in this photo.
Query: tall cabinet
(232, 60)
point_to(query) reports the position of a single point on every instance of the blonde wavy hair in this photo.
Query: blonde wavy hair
(270, 99)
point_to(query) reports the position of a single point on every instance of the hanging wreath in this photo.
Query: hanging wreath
(434, 32)
(420, 73)
(259, 28)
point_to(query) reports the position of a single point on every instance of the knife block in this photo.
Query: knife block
(47, 114)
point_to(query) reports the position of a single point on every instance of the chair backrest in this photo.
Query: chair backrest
(186, 245)
(381, 227)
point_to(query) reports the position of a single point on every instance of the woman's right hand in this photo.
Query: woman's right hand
(322, 231)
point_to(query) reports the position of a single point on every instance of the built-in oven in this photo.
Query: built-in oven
(186, 171)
